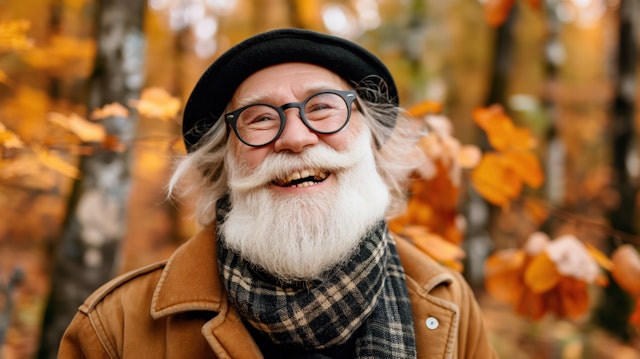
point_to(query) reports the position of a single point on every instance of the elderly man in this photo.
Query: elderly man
(297, 152)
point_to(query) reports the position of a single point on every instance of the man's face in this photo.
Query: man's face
(299, 229)
(281, 84)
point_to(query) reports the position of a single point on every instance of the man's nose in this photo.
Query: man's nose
(296, 136)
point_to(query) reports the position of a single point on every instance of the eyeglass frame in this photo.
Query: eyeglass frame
(349, 96)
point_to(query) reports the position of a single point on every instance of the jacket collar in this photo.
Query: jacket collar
(190, 280)
(197, 260)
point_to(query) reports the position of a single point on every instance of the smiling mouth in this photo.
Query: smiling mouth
(303, 178)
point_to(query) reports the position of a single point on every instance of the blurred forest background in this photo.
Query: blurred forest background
(542, 222)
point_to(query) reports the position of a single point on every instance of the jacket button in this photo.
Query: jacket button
(432, 323)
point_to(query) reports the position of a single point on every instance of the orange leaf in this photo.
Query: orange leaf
(635, 316)
(424, 108)
(530, 304)
(520, 138)
(494, 181)
(574, 298)
(626, 269)
(503, 275)
(541, 275)
(501, 132)
(113, 143)
(526, 166)
(434, 245)
(113, 109)
(496, 124)
(497, 11)
(85, 130)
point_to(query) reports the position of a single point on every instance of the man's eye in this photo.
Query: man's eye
(261, 119)
(320, 106)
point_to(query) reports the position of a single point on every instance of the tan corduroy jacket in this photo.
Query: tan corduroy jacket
(178, 309)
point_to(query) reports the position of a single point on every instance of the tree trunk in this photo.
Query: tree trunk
(95, 221)
(477, 239)
(616, 306)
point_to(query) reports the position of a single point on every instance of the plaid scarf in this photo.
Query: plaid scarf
(367, 295)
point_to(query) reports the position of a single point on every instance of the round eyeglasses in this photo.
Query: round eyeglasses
(324, 112)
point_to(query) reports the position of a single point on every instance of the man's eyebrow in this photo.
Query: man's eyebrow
(269, 98)
(257, 98)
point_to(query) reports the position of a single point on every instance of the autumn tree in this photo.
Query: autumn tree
(88, 249)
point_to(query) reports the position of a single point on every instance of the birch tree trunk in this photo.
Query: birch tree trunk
(95, 223)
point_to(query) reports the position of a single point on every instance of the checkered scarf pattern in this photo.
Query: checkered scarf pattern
(367, 297)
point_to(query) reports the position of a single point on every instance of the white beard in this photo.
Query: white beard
(300, 237)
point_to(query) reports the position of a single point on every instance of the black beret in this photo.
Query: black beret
(216, 87)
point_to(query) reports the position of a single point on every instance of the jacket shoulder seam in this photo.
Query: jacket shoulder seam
(99, 294)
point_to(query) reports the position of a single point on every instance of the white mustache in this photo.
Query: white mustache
(279, 165)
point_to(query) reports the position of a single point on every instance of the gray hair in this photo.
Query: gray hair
(202, 172)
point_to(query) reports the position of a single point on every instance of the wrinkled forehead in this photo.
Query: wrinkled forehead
(292, 81)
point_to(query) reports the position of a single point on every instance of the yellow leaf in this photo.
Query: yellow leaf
(9, 139)
(541, 275)
(56, 163)
(64, 55)
(600, 257)
(85, 130)
(13, 35)
(112, 109)
(157, 103)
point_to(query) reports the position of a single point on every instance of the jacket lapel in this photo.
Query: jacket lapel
(435, 319)
(191, 281)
